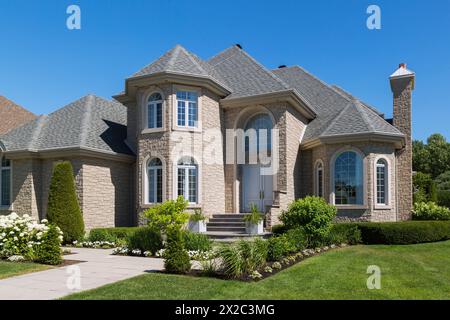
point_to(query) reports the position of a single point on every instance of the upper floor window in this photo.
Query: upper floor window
(348, 179)
(155, 111)
(187, 179)
(5, 182)
(187, 109)
(155, 180)
(382, 181)
(319, 179)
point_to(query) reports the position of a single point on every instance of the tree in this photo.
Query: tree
(63, 208)
(433, 157)
(424, 188)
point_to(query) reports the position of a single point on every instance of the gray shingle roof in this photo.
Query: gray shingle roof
(338, 113)
(179, 60)
(244, 75)
(90, 122)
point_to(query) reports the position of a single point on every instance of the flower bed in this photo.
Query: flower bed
(193, 254)
(23, 237)
(95, 244)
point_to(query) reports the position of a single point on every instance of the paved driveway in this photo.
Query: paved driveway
(99, 268)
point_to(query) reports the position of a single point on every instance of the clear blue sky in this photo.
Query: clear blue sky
(44, 66)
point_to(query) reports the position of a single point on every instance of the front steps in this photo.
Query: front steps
(228, 227)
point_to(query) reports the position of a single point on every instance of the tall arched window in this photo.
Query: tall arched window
(348, 179)
(155, 111)
(155, 184)
(319, 179)
(5, 181)
(258, 136)
(382, 181)
(187, 183)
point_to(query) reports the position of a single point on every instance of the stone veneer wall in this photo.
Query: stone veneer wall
(402, 89)
(372, 151)
(171, 143)
(103, 189)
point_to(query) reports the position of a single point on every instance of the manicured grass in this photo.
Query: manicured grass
(419, 271)
(10, 269)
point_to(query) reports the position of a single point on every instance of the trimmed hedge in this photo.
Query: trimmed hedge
(344, 233)
(145, 239)
(408, 232)
(112, 234)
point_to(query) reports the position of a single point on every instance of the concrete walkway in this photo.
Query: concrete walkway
(99, 268)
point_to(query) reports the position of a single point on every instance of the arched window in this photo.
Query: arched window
(382, 181)
(5, 181)
(154, 176)
(319, 179)
(348, 179)
(258, 136)
(187, 175)
(155, 111)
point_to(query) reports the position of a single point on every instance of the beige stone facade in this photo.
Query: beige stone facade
(104, 189)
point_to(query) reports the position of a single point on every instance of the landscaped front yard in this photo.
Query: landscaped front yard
(10, 269)
(407, 272)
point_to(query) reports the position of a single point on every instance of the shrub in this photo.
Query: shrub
(444, 198)
(243, 257)
(196, 241)
(168, 216)
(145, 239)
(430, 211)
(63, 208)
(297, 239)
(176, 257)
(408, 232)
(344, 233)
(111, 234)
(23, 236)
(311, 213)
(49, 251)
(279, 247)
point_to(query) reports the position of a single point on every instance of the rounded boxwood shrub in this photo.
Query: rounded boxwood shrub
(430, 211)
(176, 257)
(145, 239)
(49, 251)
(314, 214)
(408, 232)
(63, 208)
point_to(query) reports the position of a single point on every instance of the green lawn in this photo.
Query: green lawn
(408, 272)
(10, 269)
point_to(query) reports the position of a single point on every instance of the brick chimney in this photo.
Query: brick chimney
(402, 85)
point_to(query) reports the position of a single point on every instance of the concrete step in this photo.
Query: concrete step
(233, 236)
(218, 220)
(228, 229)
(228, 215)
(226, 224)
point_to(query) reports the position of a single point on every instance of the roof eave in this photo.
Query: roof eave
(70, 152)
(133, 83)
(290, 96)
(399, 140)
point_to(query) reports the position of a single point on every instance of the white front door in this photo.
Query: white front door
(256, 188)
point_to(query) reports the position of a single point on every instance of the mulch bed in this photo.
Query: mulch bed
(66, 263)
(285, 264)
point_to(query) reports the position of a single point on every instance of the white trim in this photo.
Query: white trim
(144, 175)
(144, 110)
(175, 126)
(387, 182)
(364, 174)
(199, 179)
(316, 178)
